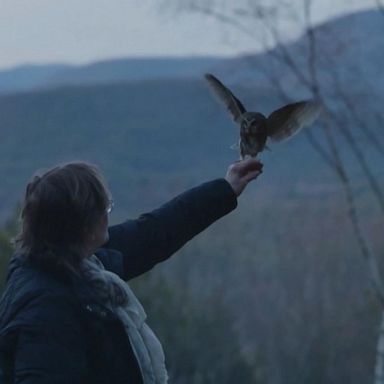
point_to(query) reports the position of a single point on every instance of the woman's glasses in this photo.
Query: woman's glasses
(110, 206)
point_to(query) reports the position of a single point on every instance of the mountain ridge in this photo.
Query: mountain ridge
(34, 77)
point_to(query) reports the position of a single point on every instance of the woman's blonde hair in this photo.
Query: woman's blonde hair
(60, 210)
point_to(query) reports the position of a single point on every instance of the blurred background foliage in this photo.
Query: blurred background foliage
(262, 296)
(8, 231)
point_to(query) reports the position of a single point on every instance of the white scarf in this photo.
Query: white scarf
(118, 297)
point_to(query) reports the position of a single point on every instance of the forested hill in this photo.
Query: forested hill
(154, 130)
(32, 77)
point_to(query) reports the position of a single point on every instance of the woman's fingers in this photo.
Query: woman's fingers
(252, 175)
(249, 165)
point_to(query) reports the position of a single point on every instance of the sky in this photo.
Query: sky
(83, 31)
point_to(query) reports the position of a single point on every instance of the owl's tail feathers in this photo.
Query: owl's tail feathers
(290, 119)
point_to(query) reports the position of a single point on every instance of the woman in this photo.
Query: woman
(66, 315)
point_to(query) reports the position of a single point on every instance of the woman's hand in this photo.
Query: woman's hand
(240, 173)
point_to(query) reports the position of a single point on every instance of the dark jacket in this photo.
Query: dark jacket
(54, 330)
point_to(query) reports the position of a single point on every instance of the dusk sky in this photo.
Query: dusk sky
(81, 31)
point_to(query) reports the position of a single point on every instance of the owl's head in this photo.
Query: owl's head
(253, 122)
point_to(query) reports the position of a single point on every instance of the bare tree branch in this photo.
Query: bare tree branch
(380, 6)
(379, 366)
(331, 156)
(372, 138)
(226, 19)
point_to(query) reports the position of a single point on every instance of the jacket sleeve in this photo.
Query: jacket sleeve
(49, 349)
(156, 235)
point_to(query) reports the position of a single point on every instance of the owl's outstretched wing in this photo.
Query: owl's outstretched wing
(232, 103)
(290, 119)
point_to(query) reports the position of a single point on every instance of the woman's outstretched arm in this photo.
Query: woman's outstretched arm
(156, 235)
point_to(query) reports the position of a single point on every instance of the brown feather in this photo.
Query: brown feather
(225, 96)
(290, 119)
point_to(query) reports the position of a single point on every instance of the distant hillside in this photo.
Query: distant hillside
(25, 77)
(134, 69)
(145, 135)
(107, 71)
